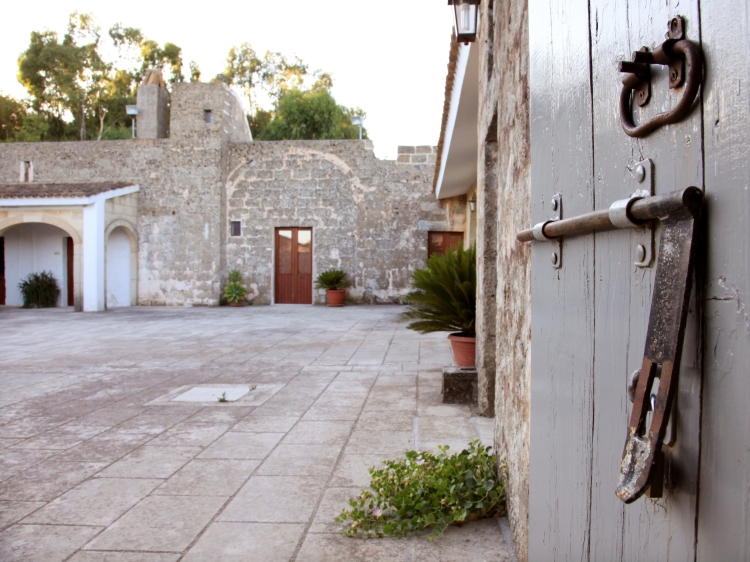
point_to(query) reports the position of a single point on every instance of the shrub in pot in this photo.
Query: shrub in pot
(334, 282)
(39, 290)
(235, 291)
(445, 301)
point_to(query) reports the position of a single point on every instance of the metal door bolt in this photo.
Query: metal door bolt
(553, 258)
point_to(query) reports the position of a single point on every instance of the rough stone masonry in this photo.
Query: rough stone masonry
(369, 217)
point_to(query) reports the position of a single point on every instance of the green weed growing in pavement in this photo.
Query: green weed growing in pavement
(253, 386)
(424, 490)
(223, 397)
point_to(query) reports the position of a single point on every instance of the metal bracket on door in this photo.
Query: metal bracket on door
(683, 57)
(679, 213)
(538, 231)
(643, 173)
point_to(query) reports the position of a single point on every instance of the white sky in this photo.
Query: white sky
(389, 59)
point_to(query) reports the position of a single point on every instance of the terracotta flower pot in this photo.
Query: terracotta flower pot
(335, 297)
(464, 350)
(237, 303)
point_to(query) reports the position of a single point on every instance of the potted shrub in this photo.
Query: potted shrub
(445, 301)
(235, 291)
(334, 281)
(39, 290)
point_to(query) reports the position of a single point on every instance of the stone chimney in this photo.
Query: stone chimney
(151, 121)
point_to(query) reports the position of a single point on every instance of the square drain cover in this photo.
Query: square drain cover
(212, 394)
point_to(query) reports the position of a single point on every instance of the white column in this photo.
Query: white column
(93, 256)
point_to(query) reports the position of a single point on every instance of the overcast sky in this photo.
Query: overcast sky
(388, 58)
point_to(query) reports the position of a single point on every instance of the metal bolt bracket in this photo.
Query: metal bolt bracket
(557, 207)
(643, 235)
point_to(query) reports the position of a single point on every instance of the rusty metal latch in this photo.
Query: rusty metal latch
(683, 57)
(679, 213)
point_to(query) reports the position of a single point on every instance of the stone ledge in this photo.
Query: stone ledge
(459, 385)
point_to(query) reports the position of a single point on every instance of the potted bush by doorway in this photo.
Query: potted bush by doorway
(334, 281)
(445, 301)
(235, 291)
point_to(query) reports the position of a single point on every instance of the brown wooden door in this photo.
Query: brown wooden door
(70, 267)
(439, 242)
(294, 266)
(2, 270)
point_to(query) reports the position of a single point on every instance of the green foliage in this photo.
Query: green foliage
(223, 397)
(332, 279)
(310, 114)
(39, 290)
(423, 490)
(235, 291)
(445, 299)
(75, 92)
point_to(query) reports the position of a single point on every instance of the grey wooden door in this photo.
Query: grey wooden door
(589, 317)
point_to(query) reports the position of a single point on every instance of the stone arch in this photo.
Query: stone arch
(23, 216)
(113, 289)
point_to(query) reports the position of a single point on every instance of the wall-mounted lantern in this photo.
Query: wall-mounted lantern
(132, 110)
(473, 204)
(465, 19)
(358, 120)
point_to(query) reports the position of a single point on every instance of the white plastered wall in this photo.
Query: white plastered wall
(121, 273)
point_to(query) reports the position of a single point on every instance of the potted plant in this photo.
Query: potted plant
(235, 291)
(445, 301)
(334, 281)
(39, 290)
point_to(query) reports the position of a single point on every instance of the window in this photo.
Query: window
(27, 171)
(207, 115)
(439, 242)
(236, 228)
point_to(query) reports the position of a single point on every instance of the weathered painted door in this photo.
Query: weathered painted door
(70, 268)
(2, 270)
(439, 242)
(589, 317)
(294, 266)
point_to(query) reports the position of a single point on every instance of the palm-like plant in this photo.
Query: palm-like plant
(235, 291)
(332, 280)
(39, 290)
(445, 299)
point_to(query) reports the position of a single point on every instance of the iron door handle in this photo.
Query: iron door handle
(683, 57)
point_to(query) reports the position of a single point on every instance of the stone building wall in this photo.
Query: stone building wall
(369, 217)
(504, 177)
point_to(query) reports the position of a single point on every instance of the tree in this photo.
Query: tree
(12, 114)
(311, 114)
(75, 90)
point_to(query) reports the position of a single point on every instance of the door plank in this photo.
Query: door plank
(648, 529)
(562, 311)
(724, 516)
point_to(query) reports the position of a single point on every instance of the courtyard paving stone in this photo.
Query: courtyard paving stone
(98, 464)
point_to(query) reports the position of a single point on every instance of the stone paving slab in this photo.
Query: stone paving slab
(98, 463)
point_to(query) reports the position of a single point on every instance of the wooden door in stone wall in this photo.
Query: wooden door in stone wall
(590, 315)
(294, 261)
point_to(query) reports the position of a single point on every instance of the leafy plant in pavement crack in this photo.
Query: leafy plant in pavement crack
(424, 490)
(223, 397)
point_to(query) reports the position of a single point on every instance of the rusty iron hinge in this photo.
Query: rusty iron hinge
(679, 214)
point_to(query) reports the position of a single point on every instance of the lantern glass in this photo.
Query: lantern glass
(465, 19)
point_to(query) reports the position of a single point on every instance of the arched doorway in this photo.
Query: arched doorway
(34, 247)
(120, 257)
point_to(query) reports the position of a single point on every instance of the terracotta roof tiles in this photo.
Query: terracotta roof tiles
(43, 190)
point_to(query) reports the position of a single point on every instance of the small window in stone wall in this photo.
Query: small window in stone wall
(27, 171)
(236, 228)
(207, 115)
